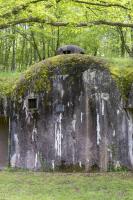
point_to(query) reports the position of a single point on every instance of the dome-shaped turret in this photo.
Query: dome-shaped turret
(69, 49)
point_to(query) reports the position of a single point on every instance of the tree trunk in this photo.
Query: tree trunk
(123, 43)
(13, 65)
(36, 49)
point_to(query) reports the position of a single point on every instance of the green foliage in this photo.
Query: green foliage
(7, 82)
(122, 71)
(22, 44)
(118, 169)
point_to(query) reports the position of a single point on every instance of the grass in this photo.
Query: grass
(120, 62)
(57, 186)
(7, 82)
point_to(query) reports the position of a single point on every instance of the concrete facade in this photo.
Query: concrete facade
(82, 123)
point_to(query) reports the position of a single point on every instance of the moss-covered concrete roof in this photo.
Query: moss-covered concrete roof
(37, 77)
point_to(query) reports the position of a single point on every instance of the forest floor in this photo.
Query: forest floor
(65, 186)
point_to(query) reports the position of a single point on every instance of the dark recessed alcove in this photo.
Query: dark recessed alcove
(32, 103)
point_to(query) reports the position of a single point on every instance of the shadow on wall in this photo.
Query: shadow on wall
(4, 129)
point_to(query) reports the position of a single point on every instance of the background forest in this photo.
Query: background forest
(32, 30)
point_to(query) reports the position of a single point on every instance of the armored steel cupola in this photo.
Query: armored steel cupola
(69, 49)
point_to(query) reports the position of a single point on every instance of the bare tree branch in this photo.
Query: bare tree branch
(64, 24)
(92, 11)
(102, 4)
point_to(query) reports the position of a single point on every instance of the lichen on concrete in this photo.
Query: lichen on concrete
(81, 119)
(38, 76)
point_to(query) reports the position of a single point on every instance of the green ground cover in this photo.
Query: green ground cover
(61, 186)
(8, 81)
(122, 71)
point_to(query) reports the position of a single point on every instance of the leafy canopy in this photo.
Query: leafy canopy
(67, 12)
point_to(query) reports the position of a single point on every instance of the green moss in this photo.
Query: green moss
(38, 77)
(122, 72)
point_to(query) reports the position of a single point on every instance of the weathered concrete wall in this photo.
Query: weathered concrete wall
(112, 123)
(5, 104)
(130, 99)
(81, 122)
(4, 131)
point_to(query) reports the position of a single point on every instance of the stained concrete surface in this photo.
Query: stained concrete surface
(3, 142)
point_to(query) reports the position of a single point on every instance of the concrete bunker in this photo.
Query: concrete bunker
(67, 113)
(4, 145)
